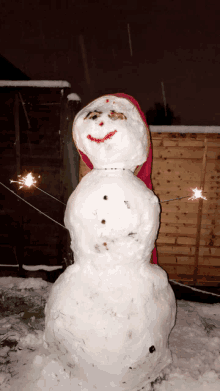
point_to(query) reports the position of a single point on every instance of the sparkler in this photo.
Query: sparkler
(32, 206)
(29, 181)
(197, 194)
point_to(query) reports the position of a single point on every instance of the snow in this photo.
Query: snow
(35, 83)
(194, 343)
(40, 267)
(120, 211)
(74, 97)
(111, 132)
(183, 129)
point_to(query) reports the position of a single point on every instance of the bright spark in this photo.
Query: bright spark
(28, 180)
(197, 194)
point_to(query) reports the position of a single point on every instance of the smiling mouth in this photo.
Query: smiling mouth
(101, 140)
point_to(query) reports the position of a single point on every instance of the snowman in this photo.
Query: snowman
(109, 315)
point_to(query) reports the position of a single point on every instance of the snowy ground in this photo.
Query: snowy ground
(194, 342)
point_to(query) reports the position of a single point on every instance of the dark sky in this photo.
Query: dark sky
(177, 42)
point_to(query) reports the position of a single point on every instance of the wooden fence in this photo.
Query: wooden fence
(188, 243)
(36, 120)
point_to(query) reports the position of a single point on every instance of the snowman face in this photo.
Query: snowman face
(111, 132)
(113, 115)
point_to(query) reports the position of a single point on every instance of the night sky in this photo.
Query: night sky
(177, 42)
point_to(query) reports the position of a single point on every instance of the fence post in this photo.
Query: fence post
(199, 216)
(19, 232)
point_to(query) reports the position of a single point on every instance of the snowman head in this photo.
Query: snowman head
(111, 132)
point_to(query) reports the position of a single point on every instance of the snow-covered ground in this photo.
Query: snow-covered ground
(194, 342)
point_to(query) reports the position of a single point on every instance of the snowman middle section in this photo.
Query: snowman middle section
(113, 218)
(112, 310)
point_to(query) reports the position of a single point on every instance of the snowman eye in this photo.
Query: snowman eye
(114, 115)
(93, 114)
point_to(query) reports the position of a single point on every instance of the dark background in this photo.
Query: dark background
(177, 42)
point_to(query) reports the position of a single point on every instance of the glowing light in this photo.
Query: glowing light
(28, 180)
(197, 194)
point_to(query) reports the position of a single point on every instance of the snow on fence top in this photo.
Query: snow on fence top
(35, 83)
(183, 129)
(74, 97)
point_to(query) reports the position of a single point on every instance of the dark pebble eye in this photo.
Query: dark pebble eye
(103, 221)
(152, 349)
(105, 197)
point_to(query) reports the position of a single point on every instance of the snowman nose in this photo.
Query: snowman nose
(101, 123)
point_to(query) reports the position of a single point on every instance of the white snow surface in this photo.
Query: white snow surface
(194, 343)
(111, 132)
(183, 129)
(40, 267)
(74, 97)
(35, 83)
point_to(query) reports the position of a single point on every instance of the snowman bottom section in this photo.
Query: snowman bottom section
(46, 372)
(122, 344)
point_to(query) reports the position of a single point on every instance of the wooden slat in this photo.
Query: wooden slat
(177, 229)
(213, 171)
(184, 189)
(166, 239)
(184, 136)
(176, 170)
(208, 261)
(210, 241)
(181, 143)
(177, 250)
(187, 270)
(174, 269)
(179, 206)
(165, 259)
(174, 153)
(209, 250)
(213, 271)
(182, 218)
(213, 153)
